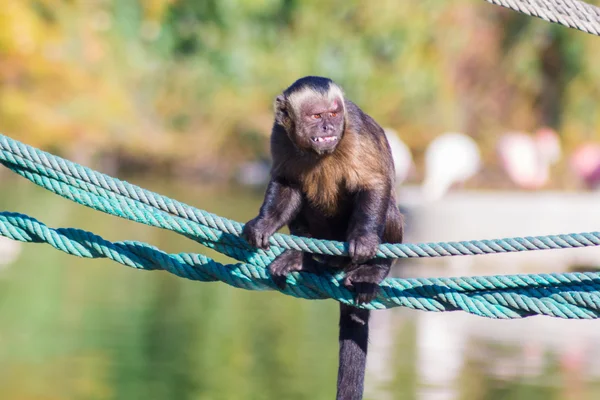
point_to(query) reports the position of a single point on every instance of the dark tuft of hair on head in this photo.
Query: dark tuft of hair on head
(315, 83)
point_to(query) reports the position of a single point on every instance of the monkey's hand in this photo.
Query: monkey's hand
(257, 232)
(363, 247)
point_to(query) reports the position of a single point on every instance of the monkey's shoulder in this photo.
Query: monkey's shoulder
(280, 142)
(366, 154)
(364, 125)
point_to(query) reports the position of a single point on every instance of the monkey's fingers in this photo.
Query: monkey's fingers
(263, 241)
(365, 292)
(282, 266)
(255, 236)
(279, 280)
(363, 248)
(363, 280)
(279, 275)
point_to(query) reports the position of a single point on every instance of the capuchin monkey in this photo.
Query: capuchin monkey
(332, 178)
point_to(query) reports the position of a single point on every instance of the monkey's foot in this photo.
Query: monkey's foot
(364, 280)
(287, 262)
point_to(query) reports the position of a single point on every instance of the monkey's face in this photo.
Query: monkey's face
(320, 124)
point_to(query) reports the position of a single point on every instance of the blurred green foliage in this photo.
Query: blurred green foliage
(187, 85)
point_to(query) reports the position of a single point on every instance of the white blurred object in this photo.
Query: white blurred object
(403, 161)
(9, 250)
(253, 173)
(585, 162)
(450, 158)
(548, 143)
(527, 159)
(441, 352)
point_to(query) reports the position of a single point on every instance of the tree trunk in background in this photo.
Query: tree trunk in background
(550, 99)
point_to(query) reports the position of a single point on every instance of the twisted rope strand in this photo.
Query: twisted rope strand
(570, 13)
(573, 296)
(121, 206)
(568, 295)
(122, 199)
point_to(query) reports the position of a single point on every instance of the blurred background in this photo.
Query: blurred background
(494, 122)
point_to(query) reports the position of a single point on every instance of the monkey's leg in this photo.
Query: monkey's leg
(281, 204)
(364, 279)
(394, 224)
(367, 223)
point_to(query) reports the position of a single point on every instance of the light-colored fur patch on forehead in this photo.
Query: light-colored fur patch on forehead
(296, 99)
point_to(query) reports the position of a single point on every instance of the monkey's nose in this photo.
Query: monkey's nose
(325, 128)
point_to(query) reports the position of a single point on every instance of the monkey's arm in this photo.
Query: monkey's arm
(367, 223)
(281, 204)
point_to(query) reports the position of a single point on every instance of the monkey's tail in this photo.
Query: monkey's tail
(354, 337)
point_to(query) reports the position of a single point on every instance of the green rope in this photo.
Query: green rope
(574, 296)
(113, 196)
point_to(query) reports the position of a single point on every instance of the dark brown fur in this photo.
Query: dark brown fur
(359, 162)
(340, 190)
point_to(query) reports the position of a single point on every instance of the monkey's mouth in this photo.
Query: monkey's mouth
(324, 139)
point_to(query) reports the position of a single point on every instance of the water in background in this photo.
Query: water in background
(91, 329)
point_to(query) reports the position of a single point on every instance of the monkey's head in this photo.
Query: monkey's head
(313, 114)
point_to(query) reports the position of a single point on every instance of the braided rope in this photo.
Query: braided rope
(573, 296)
(113, 196)
(513, 296)
(568, 295)
(570, 13)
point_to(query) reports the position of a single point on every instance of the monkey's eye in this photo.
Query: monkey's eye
(316, 116)
(334, 114)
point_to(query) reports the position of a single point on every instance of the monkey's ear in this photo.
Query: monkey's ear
(281, 110)
(280, 103)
